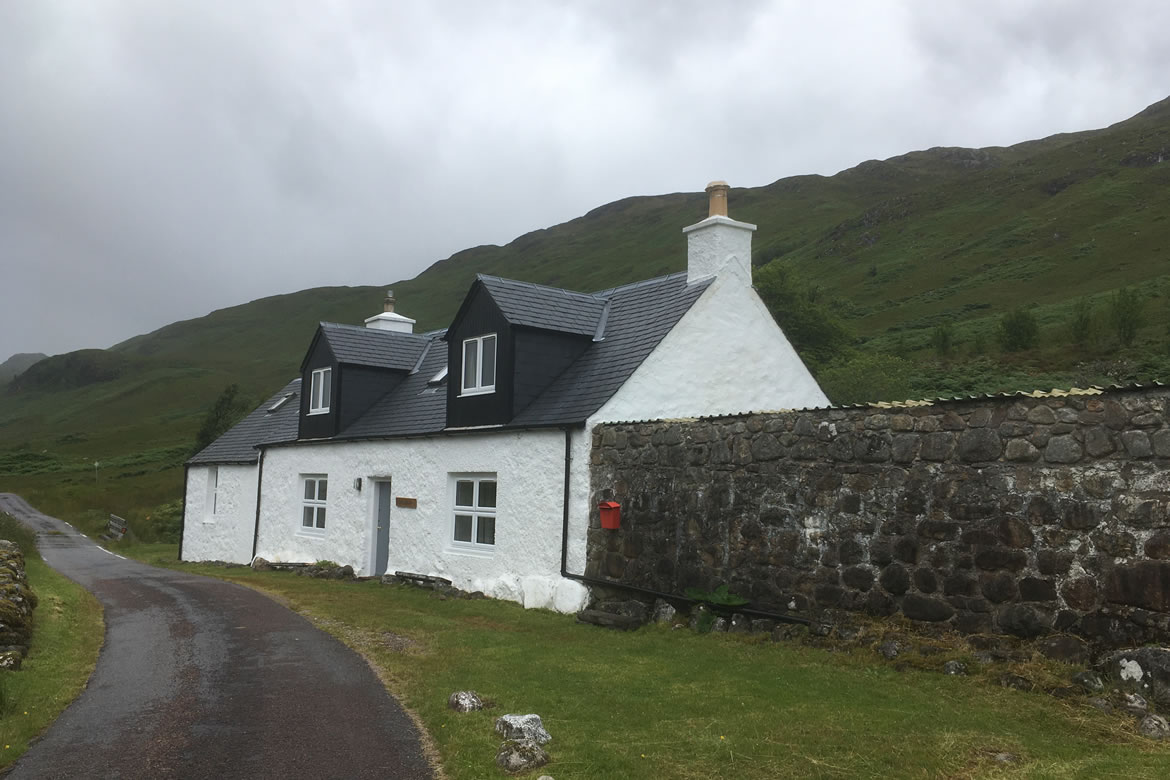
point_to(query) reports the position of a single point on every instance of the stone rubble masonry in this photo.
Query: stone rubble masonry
(1015, 515)
(17, 602)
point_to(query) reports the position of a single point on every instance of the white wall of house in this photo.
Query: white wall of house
(220, 513)
(524, 563)
(726, 355)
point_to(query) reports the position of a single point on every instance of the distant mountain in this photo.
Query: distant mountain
(896, 247)
(18, 363)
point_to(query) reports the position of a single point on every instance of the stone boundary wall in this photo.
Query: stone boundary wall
(1014, 515)
(16, 606)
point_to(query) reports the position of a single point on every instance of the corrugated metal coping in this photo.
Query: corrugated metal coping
(1053, 393)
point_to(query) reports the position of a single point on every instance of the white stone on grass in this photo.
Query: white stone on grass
(520, 755)
(521, 727)
(465, 701)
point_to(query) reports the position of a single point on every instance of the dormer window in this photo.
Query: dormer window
(479, 365)
(319, 391)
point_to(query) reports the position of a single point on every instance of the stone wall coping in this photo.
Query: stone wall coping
(916, 403)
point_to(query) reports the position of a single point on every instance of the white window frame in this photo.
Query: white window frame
(212, 507)
(475, 511)
(316, 504)
(477, 385)
(320, 390)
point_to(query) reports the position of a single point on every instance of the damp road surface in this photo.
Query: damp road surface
(199, 678)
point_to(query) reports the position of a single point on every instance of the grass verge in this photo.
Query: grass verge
(67, 635)
(663, 704)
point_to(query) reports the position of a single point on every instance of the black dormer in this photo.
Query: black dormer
(479, 394)
(346, 370)
(320, 399)
(508, 342)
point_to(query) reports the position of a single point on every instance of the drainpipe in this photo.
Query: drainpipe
(259, 483)
(183, 517)
(623, 586)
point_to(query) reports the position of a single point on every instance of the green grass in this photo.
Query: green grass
(67, 636)
(672, 704)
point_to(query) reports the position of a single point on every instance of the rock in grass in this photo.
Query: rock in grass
(520, 755)
(663, 612)
(954, 667)
(1089, 682)
(740, 624)
(1017, 682)
(260, 564)
(1154, 727)
(608, 620)
(889, 649)
(465, 701)
(1135, 704)
(523, 727)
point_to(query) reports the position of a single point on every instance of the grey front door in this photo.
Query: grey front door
(382, 537)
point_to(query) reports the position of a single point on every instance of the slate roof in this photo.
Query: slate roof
(239, 444)
(639, 316)
(628, 323)
(551, 308)
(372, 347)
(635, 318)
(414, 406)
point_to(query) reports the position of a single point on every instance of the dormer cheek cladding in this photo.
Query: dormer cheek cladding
(488, 399)
(318, 425)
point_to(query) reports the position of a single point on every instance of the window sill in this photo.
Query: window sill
(477, 551)
(311, 533)
(484, 391)
(313, 412)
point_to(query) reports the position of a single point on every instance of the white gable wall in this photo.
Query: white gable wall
(523, 565)
(726, 355)
(226, 534)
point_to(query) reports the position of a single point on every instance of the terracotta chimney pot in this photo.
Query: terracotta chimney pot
(717, 191)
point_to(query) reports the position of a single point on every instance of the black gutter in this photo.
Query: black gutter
(183, 517)
(623, 586)
(259, 484)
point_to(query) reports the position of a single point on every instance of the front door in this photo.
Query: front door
(382, 532)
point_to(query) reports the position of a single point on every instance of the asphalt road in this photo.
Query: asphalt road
(199, 678)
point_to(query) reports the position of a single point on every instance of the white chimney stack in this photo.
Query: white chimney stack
(719, 244)
(388, 319)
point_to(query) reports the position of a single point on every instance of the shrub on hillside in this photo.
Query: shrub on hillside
(1018, 331)
(807, 321)
(865, 377)
(224, 413)
(942, 338)
(1082, 328)
(1127, 315)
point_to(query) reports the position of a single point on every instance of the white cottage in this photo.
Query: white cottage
(464, 453)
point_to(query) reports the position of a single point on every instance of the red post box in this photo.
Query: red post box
(611, 514)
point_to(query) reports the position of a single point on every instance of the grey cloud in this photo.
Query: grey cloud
(160, 160)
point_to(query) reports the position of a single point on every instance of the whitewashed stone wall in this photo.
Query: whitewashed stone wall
(725, 356)
(226, 534)
(525, 563)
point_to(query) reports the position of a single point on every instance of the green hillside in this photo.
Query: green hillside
(17, 364)
(919, 257)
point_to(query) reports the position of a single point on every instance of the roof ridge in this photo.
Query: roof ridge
(534, 285)
(642, 283)
(363, 329)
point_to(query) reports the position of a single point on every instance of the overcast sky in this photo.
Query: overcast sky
(159, 160)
